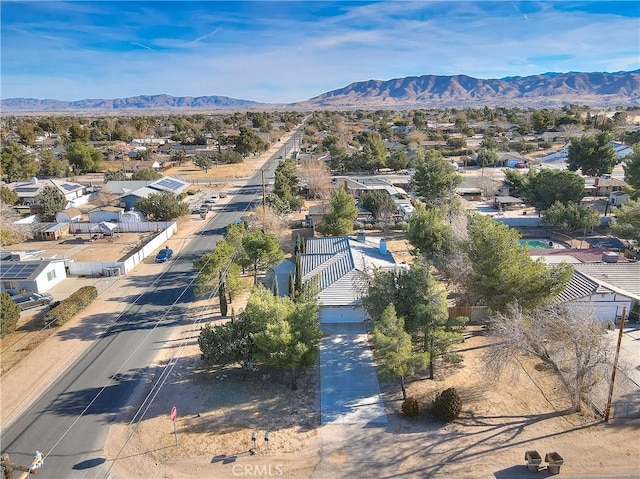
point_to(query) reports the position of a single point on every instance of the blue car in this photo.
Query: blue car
(164, 255)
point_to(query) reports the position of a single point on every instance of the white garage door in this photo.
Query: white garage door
(338, 314)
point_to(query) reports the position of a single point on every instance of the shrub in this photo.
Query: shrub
(71, 306)
(447, 405)
(9, 314)
(410, 407)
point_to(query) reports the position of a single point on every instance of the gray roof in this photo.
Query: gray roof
(21, 270)
(581, 286)
(620, 277)
(342, 265)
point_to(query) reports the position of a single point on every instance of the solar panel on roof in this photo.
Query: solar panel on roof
(69, 186)
(18, 270)
(169, 183)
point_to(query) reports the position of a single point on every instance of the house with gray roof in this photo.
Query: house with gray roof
(342, 266)
(604, 288)
(132, 191)
(27, 191)
(19, 273)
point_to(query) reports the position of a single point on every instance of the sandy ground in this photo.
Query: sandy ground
(218, 410)
(502, 418)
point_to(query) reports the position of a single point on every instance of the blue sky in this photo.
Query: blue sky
(280, 52)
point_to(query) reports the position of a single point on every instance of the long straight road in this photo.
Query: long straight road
(69, 422)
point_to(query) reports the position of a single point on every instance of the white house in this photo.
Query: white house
(31, 275)
(27, 191)
(605, 288)
(342, 265)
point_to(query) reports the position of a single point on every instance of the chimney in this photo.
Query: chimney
(383, 246)
(596, 181)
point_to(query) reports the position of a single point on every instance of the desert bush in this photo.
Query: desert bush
(9, 314)
(410, 407)
(71, 306)
(447, 405)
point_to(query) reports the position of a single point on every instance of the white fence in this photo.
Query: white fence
(117, 268)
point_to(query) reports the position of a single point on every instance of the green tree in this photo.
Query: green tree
(212, 267)
(115, 175)
(394, 350)
(162, 206)
(502, 270)
(373, 151)
(627, 221)
(78, 133)
(397, 159)
(339, 222)
(291, 333)
(83, 158)
(229, 342)
(9, 314)
(379, 203)
(248, 142)
(262, 251)
(571, 217)
(435, 180)
(222, 297)
(487, 157)
(429, 233)
(518, 181)
(422, 301)
(50, 201)
(17, 163)
(593, 155)
(334, 146)
(8, 196)
(203, 162)
(542, 120)
(547, 186)
(52, 166)
(286, 184)
(146, 174)
(631, 168)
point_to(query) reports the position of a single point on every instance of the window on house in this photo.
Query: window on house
(51, 274)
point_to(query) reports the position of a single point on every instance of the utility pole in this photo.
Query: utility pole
(8, 467)
(607, 410)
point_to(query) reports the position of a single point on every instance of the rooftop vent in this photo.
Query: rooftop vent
(609, 257)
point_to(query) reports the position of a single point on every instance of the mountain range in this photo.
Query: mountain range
(426, 91)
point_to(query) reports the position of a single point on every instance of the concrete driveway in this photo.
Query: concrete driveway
(349, 389)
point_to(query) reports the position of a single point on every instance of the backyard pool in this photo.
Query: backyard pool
(542, 243)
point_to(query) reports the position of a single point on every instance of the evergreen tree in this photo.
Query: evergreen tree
(393, 349)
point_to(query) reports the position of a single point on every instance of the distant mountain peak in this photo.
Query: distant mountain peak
(550, 89)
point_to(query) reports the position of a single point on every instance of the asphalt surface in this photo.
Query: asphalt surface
(70, 420)
(349, 389)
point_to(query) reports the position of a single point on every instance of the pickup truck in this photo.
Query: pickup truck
(164, 255)
(31, 300)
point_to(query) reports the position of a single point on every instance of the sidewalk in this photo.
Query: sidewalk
(22, 384)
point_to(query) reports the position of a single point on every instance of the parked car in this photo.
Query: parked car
(214, 198)
(31, 300)
(164, 255)
(223, 194)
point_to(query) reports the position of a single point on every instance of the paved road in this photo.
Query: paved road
(69, 422)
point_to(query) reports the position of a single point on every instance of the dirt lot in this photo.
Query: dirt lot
(502, 418)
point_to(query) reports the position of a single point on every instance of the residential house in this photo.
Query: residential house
(342, 266)
(601, 186)
(28, 191)
(18, 273)
(132, 191)
(606, 288)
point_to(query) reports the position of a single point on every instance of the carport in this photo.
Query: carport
(349, 389)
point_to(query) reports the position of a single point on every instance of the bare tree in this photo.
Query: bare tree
(267, 220)
(566, 337)
(317, 175)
